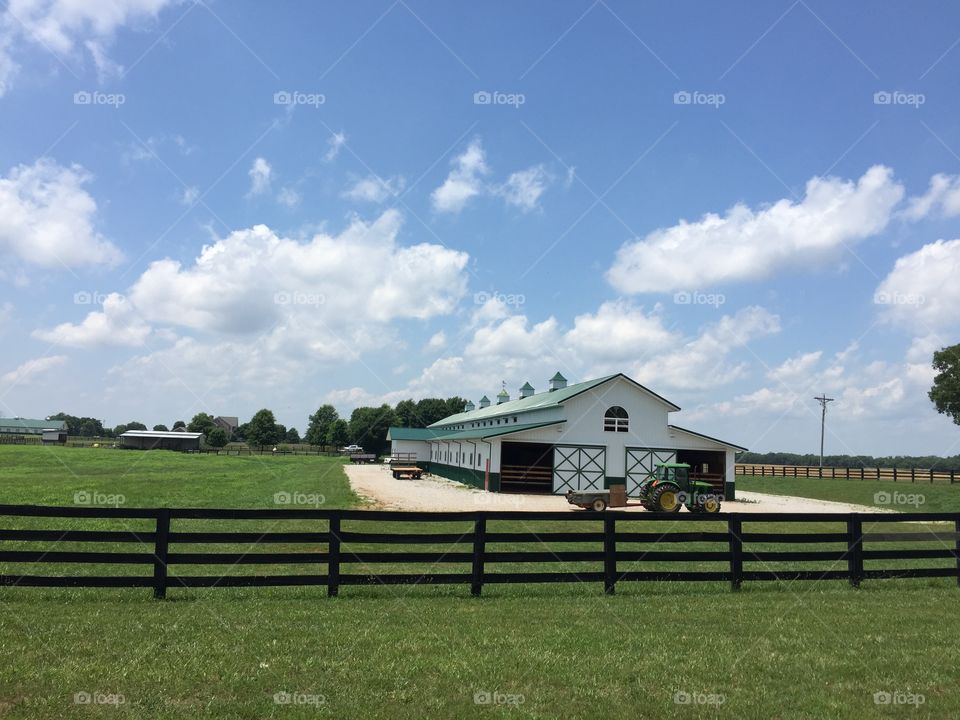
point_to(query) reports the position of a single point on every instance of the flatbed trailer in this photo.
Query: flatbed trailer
(363, 458)
(595, 500)
(411, 471)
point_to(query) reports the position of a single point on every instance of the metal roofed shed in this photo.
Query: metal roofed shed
(160, 440)
(25, 426)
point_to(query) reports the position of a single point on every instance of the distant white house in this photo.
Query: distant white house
(586, 436)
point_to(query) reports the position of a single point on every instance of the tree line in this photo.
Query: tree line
(921, 462)
(366, 426)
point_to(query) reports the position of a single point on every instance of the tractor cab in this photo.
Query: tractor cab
(669, 487)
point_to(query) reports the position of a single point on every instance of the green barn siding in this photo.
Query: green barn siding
(467, 476)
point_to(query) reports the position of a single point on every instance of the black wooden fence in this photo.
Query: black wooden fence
(742, 552)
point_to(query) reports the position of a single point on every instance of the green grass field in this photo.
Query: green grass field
(878, 494)
(773, 650)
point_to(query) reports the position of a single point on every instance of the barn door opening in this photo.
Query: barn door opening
(526, 467)
(578, 468)
(707, 465)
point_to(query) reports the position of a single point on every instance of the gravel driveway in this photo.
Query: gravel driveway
(375, 483)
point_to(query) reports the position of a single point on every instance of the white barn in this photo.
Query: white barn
(586, 436)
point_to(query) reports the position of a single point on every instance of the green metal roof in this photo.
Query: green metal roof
(539, 401)
(8, 424)
(558, 376)
(481, 433)
(406, 433)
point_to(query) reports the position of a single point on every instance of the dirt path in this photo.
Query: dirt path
(375, 483)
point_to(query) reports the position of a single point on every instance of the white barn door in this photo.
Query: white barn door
(641, 463)
(578, 468)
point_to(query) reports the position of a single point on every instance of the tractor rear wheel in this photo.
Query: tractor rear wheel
(666, 498)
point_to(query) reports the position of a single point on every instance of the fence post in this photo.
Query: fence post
(931, 476)
(333, 562)
(861, 472)
(855, 550)
(951, 477)
(956, 528)
(609, 554)
(913, 475)
(160, 549)
(734, 528)
(479, 548)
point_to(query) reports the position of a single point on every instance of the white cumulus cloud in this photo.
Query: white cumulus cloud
(942, 198)
(31, 370)
(260, 174)
(464, 182)
(524, 188)
(921, 293)
(47, 217)
(747, 244)
(374, 189)
(118, 323)
(64, 26)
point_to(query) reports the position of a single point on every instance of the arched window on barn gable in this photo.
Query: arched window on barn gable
(616, 420)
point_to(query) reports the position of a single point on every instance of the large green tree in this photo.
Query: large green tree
(201, 423)
(945, 392)
(368, 427)
(262, 429)
(217, 437)
(320, 423)
(339, 433)
(160, 428)
(406, 412)
(293, 437)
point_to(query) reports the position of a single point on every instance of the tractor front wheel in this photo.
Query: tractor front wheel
(666, 498)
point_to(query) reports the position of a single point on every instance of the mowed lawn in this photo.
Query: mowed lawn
(878, 494)
(654, 650)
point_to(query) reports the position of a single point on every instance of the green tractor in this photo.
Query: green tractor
(669, 487)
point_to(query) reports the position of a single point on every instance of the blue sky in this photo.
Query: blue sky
(224, 206)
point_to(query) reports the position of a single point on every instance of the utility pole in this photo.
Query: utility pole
(823, 400)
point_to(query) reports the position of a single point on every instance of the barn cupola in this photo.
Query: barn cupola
(469, 407)
(484, 402)
(557, 382)
(502, 397)
(527, 390)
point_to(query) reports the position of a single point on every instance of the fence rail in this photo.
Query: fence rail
(619, 551)
(911, 475)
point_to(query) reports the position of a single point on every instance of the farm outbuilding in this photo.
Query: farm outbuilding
(50, 431)
(160, 440)
(586, 436)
